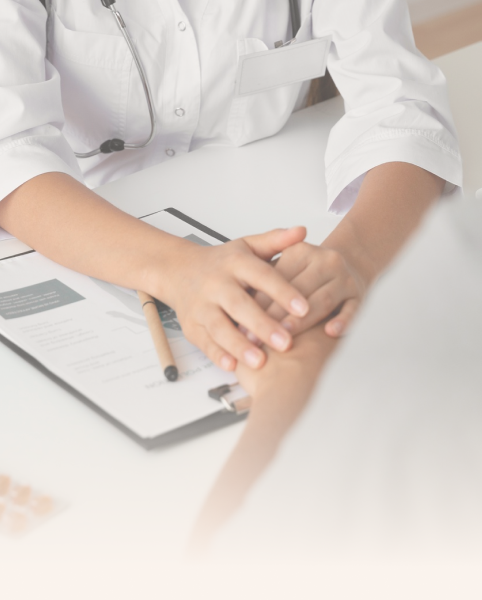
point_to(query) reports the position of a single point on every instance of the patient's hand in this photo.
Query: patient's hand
(288, 378)
(327, 279)
(335, 276)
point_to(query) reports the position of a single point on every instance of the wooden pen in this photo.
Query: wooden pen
(158, 335)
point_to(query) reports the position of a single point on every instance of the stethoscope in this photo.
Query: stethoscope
(117, 145)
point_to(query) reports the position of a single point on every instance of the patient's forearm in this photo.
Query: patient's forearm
(280, 391)
(392, 200)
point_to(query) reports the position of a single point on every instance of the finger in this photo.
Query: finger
(256, 324)
(322, 303)
(227, 336)
(337, 326)
(317, 272)
(263, 300)
(289, 266)
(251, 337)
(307, 268)
(295, 259)
(276, 312)
(213, 351)
(256, 274)
(267, 245)
(324, 267)
(308, 281)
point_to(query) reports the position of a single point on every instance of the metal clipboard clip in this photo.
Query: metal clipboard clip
(233, 398)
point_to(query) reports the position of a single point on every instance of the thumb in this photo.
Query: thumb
(267, 245)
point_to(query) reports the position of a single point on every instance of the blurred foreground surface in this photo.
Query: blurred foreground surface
(377, 490)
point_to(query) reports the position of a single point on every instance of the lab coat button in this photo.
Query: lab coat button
(182, 26)
(170, 152)
(180, 112)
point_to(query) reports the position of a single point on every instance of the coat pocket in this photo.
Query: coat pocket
(95, 71)
(268, 83)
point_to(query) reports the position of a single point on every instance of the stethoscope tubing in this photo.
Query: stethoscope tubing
(295, 25)
(145, 85)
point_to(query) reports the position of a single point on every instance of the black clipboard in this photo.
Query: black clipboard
(226, 416)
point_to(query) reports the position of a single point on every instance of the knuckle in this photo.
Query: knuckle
(334, 260)
(235, 259)
(237, 303)
(261, 327)
(239, 244)
(297, 252)
(216, 326)
(214, 352)
(320, 268)
(263, 269)
(192, 334)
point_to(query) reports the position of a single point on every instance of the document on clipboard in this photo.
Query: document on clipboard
(91, 337)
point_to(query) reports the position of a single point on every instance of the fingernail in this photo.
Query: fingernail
(226, 363)
(253, 359)
(336, 327)
(300, 307)
(280, 341)
(287, 325)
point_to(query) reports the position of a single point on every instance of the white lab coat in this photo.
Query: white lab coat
(87, 89)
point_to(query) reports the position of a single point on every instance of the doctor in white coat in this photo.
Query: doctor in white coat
(69, 82)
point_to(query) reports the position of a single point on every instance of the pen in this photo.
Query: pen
(158, 335)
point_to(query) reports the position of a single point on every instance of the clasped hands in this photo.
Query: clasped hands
(231, 300)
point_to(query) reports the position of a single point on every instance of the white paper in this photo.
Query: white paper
(4, 235)
(94, 336)
(12, 247)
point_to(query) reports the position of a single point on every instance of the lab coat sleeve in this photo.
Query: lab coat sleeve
(396, 101)
(31, 116)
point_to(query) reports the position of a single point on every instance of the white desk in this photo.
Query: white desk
(130, 510)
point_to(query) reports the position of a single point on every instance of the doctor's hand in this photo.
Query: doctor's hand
(210, 288)
(334, 288)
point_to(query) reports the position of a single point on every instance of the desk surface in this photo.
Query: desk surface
(130, 511)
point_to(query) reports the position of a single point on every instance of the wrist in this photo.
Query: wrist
(163, 265)
(346, 242)
(297, 367)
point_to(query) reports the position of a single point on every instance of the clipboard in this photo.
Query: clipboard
(233, 403)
